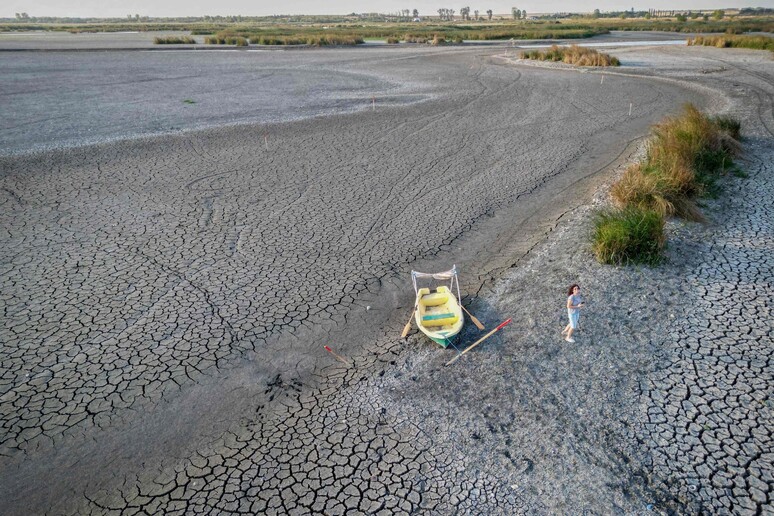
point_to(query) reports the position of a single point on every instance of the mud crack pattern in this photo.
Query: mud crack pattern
(710, 418)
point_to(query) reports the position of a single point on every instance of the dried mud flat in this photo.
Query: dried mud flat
(166, 302)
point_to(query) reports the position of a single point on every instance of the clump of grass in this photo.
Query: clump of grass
(732, 41)
(691, 151)
(438, 40)
(226, 40)
(574, 55)
(174, 40)
(321, 41)
(392, 40)
(316, 41)
(685, 158)
(410, 38)
(651, 191)
(629, 235)
(728, 125)
(277, 40)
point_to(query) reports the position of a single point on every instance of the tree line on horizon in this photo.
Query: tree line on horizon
(444, 14)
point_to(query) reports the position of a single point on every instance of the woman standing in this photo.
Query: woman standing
(574, 304)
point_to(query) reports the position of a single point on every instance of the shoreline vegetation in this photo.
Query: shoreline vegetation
(354, 29)
(174, 40)
(685, 158)
(734, 41)
(574, 55)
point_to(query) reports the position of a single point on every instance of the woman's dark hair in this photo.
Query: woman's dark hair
(572, 287)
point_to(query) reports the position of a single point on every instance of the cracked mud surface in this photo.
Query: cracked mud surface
(166, 300)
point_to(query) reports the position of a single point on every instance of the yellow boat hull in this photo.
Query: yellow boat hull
(439, 315)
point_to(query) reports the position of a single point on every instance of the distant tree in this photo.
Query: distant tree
(25, 16)
(465, 13)
(416, 13)
(446, 14)
(718, 14)
(647, 16)
(681, 18)
(489, 13)
(475, 14)
(136, 17)
(524, 14)
(18, 16)
(516, 13)
(596, 13)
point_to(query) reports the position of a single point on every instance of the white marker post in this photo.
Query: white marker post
(603, 80)
(373, 103)
(630, 109)
(266, 141)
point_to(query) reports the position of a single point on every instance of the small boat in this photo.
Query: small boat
(438, 314)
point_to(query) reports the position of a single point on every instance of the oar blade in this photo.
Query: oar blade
(406, 330)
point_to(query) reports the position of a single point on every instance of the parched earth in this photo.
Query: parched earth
(165, 303)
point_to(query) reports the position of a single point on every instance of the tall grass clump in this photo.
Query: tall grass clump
(174, 40)
(686, 156)
(732, 41)
(574, 55)
(629, 235)
(226, 40)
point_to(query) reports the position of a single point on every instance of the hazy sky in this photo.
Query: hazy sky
(111, 8)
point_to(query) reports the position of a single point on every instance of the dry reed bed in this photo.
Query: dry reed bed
(732, 41)
(573, 55)
(685, 157)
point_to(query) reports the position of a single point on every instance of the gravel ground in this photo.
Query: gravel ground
(137, 384)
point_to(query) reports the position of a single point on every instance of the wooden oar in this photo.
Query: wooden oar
(473, 318)
(479, 341)
(338, 357)
(407, 328)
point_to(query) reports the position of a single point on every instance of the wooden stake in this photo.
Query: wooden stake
(479, 341)
(266, 140)
(338, 357)
(473, 318)
(373, 103)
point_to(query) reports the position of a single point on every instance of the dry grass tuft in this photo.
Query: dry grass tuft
(174, 40)
(226, 40)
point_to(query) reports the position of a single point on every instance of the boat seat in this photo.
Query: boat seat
(439, 319)
(435, 299)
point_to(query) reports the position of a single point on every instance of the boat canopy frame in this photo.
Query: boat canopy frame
(450, 275)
